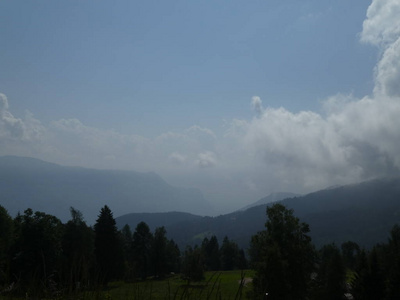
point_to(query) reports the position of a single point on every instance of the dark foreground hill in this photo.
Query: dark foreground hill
(363, 213)
(32, 183)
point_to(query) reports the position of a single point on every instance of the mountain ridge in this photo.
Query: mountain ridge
(364, 212)
(273, 197)
(40, 185)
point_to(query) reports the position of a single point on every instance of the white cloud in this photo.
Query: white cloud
(382, 26)
(388, 71)
(207, 159)
(256, 104)
(3, 103)
(16, 130)
(200, 131)
(177, 158)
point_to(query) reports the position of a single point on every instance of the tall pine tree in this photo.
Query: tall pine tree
(107, 246)
(141, 244)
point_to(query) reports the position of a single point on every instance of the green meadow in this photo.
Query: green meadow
(216, 285)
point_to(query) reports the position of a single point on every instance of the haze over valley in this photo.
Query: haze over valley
(363, 212)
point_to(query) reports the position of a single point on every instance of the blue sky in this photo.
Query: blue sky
(178, 63)
(194, 89)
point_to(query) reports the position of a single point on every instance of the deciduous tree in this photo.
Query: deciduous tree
(282, 256)
(78, 248)
(37, 250)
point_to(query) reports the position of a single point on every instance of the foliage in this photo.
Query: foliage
(330, 281)
(159, 252)
(107, 247)
(37, 249)
(350, 252)
(43, 258)
(173, 257)
(6, 240)
(393, 264)
(78, 250)
(126, 239)
(282, 256)
(193, 264)
(141, 245)
(229, 254)
(211, 253)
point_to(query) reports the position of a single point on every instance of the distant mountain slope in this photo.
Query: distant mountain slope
(155, 219)
(32, 183)
(363, 213)
(273, 197)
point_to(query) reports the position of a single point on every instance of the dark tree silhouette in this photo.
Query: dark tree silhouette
(126, 238)
(229, 254)
(159, 252)
(142, 241)
(78, 248)
(173, 257)
(331, 273)
(282, 256)
(37, 250)
(6, 240)
(393, 257)
(212, 257)
(193, 264)
(107, 246)
(350, 252)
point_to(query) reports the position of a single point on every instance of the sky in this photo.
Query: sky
(237, 98)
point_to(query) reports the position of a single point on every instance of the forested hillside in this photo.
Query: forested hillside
(362, 212)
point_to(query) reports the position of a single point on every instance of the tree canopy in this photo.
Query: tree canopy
(282, 256)
(107, 246)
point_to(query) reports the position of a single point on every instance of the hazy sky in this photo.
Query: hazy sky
(238, 98)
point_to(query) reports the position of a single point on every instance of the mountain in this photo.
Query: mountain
(364, 213)
(155, 220)
(273, 197)
(32, 183)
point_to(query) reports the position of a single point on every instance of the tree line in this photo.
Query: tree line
(41, 255)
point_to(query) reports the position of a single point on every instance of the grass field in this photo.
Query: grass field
(221, 285)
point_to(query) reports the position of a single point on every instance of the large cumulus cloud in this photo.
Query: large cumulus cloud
(354, 139)
(382, 29)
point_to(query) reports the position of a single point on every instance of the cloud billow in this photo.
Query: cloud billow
(382, 29)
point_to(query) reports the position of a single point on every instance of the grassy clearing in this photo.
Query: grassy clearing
(219, 285)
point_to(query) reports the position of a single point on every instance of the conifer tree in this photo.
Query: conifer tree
(212, 257)
(159, 252)
(142, 242)
(107, 246)
(6, 240)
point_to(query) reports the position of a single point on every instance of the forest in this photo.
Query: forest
(43, 258)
